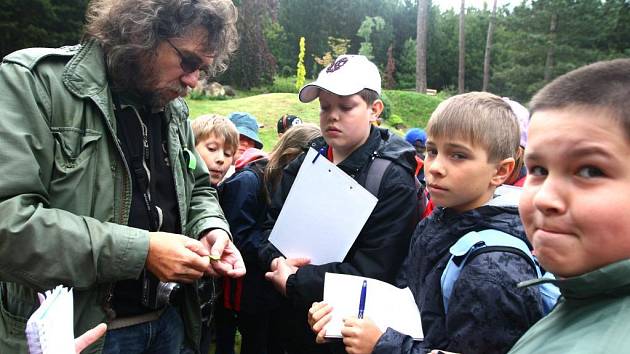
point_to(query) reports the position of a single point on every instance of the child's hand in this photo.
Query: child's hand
(281, 268)
(360, 335)
(318, 316)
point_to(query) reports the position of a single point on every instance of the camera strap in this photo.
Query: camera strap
(141, 164)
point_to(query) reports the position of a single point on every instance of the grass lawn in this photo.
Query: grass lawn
(412, 107)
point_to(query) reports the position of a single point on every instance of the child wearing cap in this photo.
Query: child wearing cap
(472, 141)
(348, 91)
(247, 127)
(287, 121)
(574, 208)
(417, 137)
(520, 172)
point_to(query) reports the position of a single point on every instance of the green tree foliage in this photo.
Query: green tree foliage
(301, 70)
(253, 64)
(338, 46)
(369, 25)
(40, 23)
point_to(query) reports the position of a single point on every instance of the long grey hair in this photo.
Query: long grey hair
(131, 30)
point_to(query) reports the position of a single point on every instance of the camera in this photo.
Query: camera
(156, 294)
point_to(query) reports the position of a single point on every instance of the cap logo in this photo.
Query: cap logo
(336, 65)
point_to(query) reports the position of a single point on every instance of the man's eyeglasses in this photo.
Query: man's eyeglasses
(190, 63)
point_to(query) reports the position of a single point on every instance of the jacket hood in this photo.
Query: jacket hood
(250, 155)
(396, 149)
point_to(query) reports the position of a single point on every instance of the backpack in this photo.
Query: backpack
(475, 243)
(375, 173)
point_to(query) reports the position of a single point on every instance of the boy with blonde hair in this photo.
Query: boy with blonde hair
(472, 141)
(574, 207)
(216, 141)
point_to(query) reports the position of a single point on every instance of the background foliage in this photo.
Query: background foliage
(586, 31)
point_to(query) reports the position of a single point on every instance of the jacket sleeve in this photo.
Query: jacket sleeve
(267, 251)
(42, 246)
(394, 342)
(240, 202)
(380, 248)
(204, 211)
(487, 312)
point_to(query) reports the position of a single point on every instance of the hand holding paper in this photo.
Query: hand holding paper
(386, 305)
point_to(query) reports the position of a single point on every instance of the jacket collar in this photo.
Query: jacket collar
(85, 74)
(612, 279)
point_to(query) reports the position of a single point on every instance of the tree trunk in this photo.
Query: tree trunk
(462, 48)
(486, 57)
(421, 46)
(550, 63)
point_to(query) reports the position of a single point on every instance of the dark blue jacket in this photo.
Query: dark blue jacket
(244, 205)
(487, 312)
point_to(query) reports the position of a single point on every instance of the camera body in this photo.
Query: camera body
(156, 294)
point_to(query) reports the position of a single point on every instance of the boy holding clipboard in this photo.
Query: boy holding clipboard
(349, 95)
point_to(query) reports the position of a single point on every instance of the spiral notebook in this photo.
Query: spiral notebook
(50, 330)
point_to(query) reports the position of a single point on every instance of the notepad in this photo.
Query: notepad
(385, 304)
(323, 214)
(50, 330)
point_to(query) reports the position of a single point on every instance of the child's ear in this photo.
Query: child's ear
(503, 171)
(377, 108)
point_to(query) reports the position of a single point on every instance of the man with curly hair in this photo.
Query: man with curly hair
(102, 189)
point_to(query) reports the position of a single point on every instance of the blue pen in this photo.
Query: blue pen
(362, 299)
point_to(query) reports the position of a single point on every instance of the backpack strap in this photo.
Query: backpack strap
(473, 244)
(375, 174)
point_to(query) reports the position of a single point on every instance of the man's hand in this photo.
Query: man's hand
(360, 335)
(89, 337)
(174, 257)
(281, 268)
(319, 315)
(225, 258)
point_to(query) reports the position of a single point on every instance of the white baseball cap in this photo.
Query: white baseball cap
(347, 75)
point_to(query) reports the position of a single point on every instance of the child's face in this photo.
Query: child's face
(458, 174)
(344, 121)
(216, 155)
(244, 143)
(575, 199)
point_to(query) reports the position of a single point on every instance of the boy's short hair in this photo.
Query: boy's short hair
(605, 84)
(213, 124)
(481, 118)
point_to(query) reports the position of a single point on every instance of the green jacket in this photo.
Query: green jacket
(592, 316)
(65, 190)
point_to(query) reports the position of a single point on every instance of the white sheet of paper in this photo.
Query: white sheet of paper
(385, 304)
(50, 329)
(323, 213)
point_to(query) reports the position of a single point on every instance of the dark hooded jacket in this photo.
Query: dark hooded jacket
(487, 312)
(382, 244)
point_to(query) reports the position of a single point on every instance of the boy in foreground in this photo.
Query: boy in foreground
(574, 207)
(348, 91)
(472, 141)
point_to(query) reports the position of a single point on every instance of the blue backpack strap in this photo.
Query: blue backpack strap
(499, 241)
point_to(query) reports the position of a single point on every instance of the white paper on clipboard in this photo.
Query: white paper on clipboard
(323, 213)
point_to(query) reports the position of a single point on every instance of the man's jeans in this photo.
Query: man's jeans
(162, 336)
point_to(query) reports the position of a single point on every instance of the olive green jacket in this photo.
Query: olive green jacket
(65, 190)
(592, 316)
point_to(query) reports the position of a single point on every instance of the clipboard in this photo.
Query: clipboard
(323, 214)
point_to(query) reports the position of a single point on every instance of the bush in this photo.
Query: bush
(396, 121)
(387, 110)
(283, 85)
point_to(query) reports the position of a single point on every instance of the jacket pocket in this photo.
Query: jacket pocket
(76, 169)
(12, 328)
(74, 145)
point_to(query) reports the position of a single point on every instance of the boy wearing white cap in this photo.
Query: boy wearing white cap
(349, 97)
